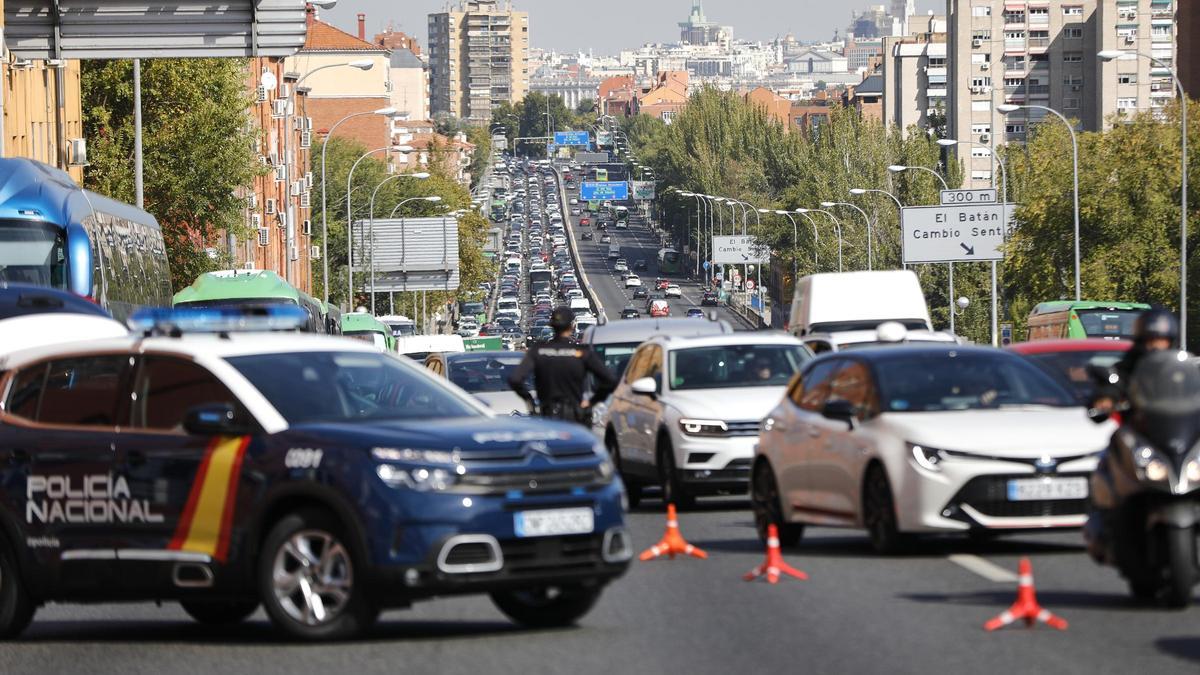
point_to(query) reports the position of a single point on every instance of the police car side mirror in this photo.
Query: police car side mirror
(214, 419)
(646, 386)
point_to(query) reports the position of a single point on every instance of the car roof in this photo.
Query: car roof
(909, 350)
(196, 345)
(1084, 345)
(672, 341)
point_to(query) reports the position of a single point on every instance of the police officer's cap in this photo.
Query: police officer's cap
(561, 319)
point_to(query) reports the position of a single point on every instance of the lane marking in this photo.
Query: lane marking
(984, 568)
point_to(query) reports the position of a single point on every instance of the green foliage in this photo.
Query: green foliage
(482, 139)
(528, 119)
(198, 149)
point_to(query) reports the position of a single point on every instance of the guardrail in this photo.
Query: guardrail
(576, 258)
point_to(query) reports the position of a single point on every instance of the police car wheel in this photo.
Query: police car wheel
(548, 606)
(16, 607)
(217, 613)
(307, 579)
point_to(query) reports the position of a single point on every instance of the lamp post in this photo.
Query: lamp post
(870, 261)
(837, 223)
(1007, 108)
(897, 168)
(1109, 55)
(350, 227)
(858, 192)
(290, 225)
(816, 236)
(371, 227)
(387, 112)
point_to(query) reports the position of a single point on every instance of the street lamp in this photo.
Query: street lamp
(350, 225)
(870, 260)
(796, 236)
(858, 192)
(290, 225)
(837, 223)
(386, 112)
(371, 216)
(897, 168)
(1007, 108)
(1109, 55)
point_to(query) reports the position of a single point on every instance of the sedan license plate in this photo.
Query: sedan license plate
(551, 522)
(1039, 489)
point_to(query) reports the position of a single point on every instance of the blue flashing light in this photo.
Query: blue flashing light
(181, 320)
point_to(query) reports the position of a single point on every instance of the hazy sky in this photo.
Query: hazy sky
(610, 25)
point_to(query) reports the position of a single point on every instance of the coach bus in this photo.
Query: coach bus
(240, 288)
(669, 261)
(54, 233)
(1066, 319)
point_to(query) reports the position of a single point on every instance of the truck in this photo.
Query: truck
(858, 301)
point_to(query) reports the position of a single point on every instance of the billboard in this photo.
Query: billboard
(601, 190)
(643, 189)
(739, 250)
(411, 254)
(572, 138)
(933, 234)
(604, 138)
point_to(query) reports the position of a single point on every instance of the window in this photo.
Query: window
(981, 106)
(1073, 57)
(33, 253)
(1127, 78)
(1014, 82)
(982, 35)
(26, 392)
(815, 389)
(853, 383)
(1126, 103)
(981, 129)
(1014, 16)
(981, 10)
(1127, 31)
(1073, 33)
(1160, 32)
(1014, 128)
(940, 61)
(1072, 10)
(981, 82)
(981, 175)
(168, 388)
(83, 391)
(981, 152)
(1014, 35)
(1071, 103)
(1073, 79)
(739, 365)
(1039, 14)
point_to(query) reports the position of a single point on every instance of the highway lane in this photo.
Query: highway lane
(857, 613)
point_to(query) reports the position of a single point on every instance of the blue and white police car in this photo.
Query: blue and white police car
(311, 475)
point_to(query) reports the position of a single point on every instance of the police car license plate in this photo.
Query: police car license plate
(1038, 489)
(550, 522)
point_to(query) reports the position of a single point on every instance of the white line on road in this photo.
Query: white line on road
(984, 568)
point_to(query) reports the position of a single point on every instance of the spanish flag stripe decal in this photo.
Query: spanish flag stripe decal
(209, 511)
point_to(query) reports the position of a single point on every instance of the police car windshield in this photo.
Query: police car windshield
(347, 387)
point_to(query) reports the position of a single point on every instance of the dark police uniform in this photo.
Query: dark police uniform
(559, 368)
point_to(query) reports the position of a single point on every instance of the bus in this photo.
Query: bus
(601, 175)
(54, 233)
(669, 261)
(1066, 319)
(234, 288)
(363, 326)
(621, 216)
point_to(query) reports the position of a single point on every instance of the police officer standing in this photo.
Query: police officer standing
(559, 369)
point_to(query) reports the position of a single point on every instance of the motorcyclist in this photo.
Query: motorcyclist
(560, 368)
(1154, 330)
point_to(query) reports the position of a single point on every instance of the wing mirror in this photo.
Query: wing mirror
(841, 410)
(646, 386)
(214, 420)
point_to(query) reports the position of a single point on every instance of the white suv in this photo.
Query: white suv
(687, 412)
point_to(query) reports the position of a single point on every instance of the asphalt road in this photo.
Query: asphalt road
(857, 613)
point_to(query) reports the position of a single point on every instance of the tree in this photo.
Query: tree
(198, 149)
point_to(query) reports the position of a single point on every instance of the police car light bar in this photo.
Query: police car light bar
(249, 319)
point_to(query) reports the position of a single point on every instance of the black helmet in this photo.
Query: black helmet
(1156, 323)
(562, 319)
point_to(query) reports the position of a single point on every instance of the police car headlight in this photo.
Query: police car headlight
(421, 479)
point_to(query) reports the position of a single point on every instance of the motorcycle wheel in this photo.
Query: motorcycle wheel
(1181, 567)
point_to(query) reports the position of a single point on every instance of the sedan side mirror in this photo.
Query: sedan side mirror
(646, 386)
(213, 420)
(840, 409)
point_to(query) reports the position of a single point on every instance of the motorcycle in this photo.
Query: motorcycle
(1145, 493)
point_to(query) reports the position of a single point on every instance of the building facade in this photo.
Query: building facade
(1043, 53)
(915, 73)
(478, 59)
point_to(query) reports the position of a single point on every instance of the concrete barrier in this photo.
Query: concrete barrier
(576, 258)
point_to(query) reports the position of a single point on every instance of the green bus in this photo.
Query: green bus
(1067, 319)
(670, 262)
(363, 326)
(240, 288)
(601, 175)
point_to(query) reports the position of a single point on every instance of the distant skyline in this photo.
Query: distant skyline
(608, 26)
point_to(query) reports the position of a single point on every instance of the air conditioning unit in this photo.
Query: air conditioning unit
(306, 228)
(1075, 87)
(294, 254)
(314, 252)
(985, 66)
(1129, 39)
(984, 138)
(306, 139)
(252, 201)
(976, 90)
(279, 107)
(264, 236)
(262, 159)
(260, 94)
(296, 188)
(273, 158)
(248, 266)
(255, 220)
(308, 180)
(976, 43)
(306, 200)
(285, 90)
(270, 207)
(280, 173)
(308, 124)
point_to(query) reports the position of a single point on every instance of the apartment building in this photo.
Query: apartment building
(478, 59)
(1043, 52)
(915, 73)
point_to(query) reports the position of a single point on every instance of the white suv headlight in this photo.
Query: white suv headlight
(696, 427)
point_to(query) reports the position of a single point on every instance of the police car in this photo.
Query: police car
(312, 475)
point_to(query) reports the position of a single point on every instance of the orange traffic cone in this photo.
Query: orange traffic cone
(774, 564)
(1026, 607)
(672, 542)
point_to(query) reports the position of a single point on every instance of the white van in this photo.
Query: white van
(614, 251)
(580, 304)
(417, 347)
(855, 301)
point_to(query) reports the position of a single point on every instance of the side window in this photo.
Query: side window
(654, 362)
(84, 390)
(853, 383)
(167, 388)
(26, 392)
(819, 346)
(815, 387)
(637, 365)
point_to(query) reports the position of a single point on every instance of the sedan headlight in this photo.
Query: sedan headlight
(926, 457)
(694, 427)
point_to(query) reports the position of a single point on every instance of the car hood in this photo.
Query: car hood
(503, 402)
(1025, 432)
(738, 404)
(475, 438)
